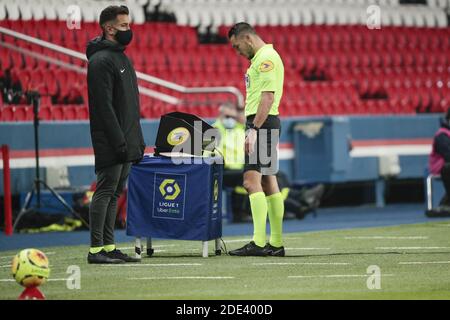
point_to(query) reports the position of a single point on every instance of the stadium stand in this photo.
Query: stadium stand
(390, 84)
(334, 63)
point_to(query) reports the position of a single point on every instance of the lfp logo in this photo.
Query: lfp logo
(169, 194)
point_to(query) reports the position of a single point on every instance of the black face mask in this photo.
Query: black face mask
(124, 37)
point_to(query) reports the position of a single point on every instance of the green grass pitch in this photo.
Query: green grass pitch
(413, 260)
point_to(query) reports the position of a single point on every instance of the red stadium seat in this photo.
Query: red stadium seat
(20, 113)
(7, 113)
(45, 113)
(57, 113)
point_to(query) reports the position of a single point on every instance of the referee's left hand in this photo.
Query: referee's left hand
(250, 141)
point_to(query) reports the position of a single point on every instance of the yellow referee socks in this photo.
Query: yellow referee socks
(110, 247)
(95, 250)
(275, 206)
(258, 205)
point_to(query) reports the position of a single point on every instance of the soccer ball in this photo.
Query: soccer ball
(30, 268)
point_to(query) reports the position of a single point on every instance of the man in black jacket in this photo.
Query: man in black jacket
(439, 164)
(115, 129)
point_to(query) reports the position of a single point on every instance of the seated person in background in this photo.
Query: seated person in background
(231, 144)
(231, 125)
(439, 164)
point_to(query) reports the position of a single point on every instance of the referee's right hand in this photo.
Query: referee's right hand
(250, 141)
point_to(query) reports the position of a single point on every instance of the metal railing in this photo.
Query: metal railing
(141, 76)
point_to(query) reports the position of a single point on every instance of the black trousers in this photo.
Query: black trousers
(103, 209)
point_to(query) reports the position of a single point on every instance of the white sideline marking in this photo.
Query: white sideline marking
(10, 257)
(156, 251)
(182, 278)
(250, 239)
(58, 279)
(194, 250)
(301, 263)
(152, 265)
(238, 240)
(12, 280)
(410, 248)
(339, 276)
(307, 248)
(157, 246)
(7, 257)
(388, 237)
(425, 262)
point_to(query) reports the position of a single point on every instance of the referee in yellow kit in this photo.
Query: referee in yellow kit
(264, 85)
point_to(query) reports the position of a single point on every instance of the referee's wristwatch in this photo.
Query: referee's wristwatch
(252, 126)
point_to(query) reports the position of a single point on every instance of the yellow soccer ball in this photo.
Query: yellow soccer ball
(30, 268)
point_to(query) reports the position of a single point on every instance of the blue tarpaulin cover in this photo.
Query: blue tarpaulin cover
(175, 201)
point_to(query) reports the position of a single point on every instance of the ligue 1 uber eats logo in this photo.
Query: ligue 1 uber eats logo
(169, 196)
(169, 189)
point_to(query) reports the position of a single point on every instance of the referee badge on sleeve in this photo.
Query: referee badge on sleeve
(266, 66)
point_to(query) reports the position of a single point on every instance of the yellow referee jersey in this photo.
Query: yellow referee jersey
(266, 73)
